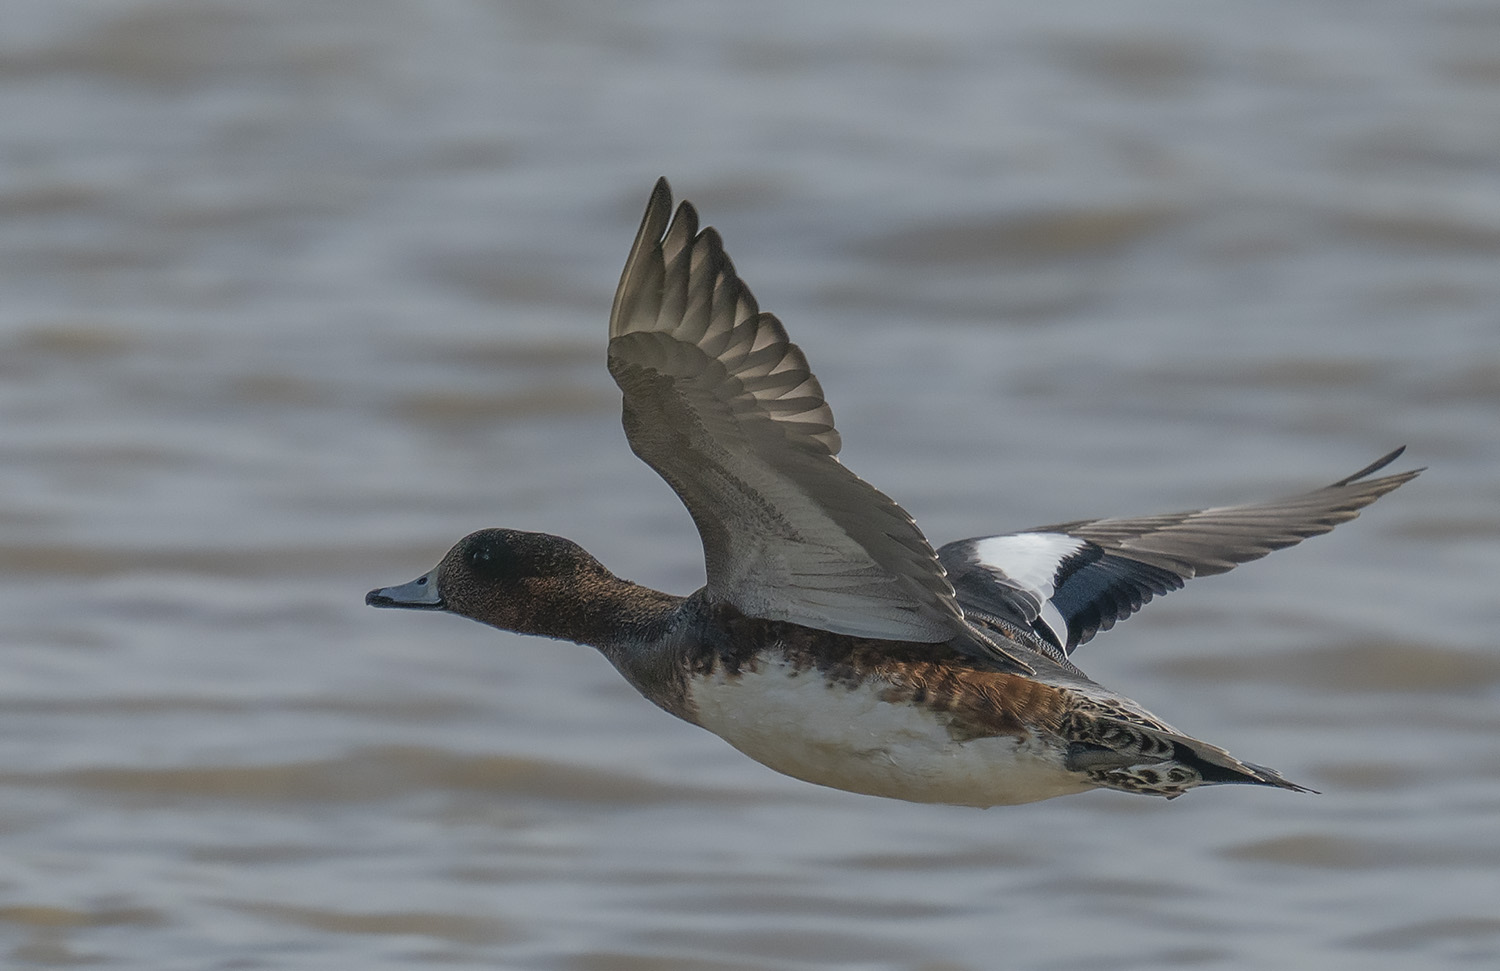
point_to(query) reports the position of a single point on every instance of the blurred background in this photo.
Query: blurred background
(294, 294)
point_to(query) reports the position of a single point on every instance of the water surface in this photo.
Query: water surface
(296, 294)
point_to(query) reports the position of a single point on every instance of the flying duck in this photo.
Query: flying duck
(832, 642)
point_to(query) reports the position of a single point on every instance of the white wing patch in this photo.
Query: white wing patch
(1029, 562)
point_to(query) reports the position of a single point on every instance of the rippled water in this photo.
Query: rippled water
(295, 294)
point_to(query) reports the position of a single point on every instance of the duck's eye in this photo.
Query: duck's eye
(491, 559)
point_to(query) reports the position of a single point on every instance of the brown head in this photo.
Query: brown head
(532, 583)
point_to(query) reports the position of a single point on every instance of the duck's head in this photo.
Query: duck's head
(526, 582)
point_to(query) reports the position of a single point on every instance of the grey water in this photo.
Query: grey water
(294, 294)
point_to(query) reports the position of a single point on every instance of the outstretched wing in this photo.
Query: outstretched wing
(723, 406)
(1069, 581)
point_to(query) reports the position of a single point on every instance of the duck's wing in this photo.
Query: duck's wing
(1071, 580)
(722, 405)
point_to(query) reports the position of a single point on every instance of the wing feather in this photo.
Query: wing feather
(1071, 580)
(725, 408)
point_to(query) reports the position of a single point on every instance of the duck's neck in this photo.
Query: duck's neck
(615, 616)
(633, 626)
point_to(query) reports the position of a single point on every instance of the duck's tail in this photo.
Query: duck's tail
(1132, 757)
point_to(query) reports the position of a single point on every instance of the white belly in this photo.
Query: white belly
(802, 725)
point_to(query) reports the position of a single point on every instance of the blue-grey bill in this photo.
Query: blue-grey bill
(420, 594)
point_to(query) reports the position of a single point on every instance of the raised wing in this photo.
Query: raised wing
(1071, 580)
(722, 405)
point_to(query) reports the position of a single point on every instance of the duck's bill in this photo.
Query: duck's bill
(420, 594)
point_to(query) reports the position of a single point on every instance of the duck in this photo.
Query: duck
(832, 642)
